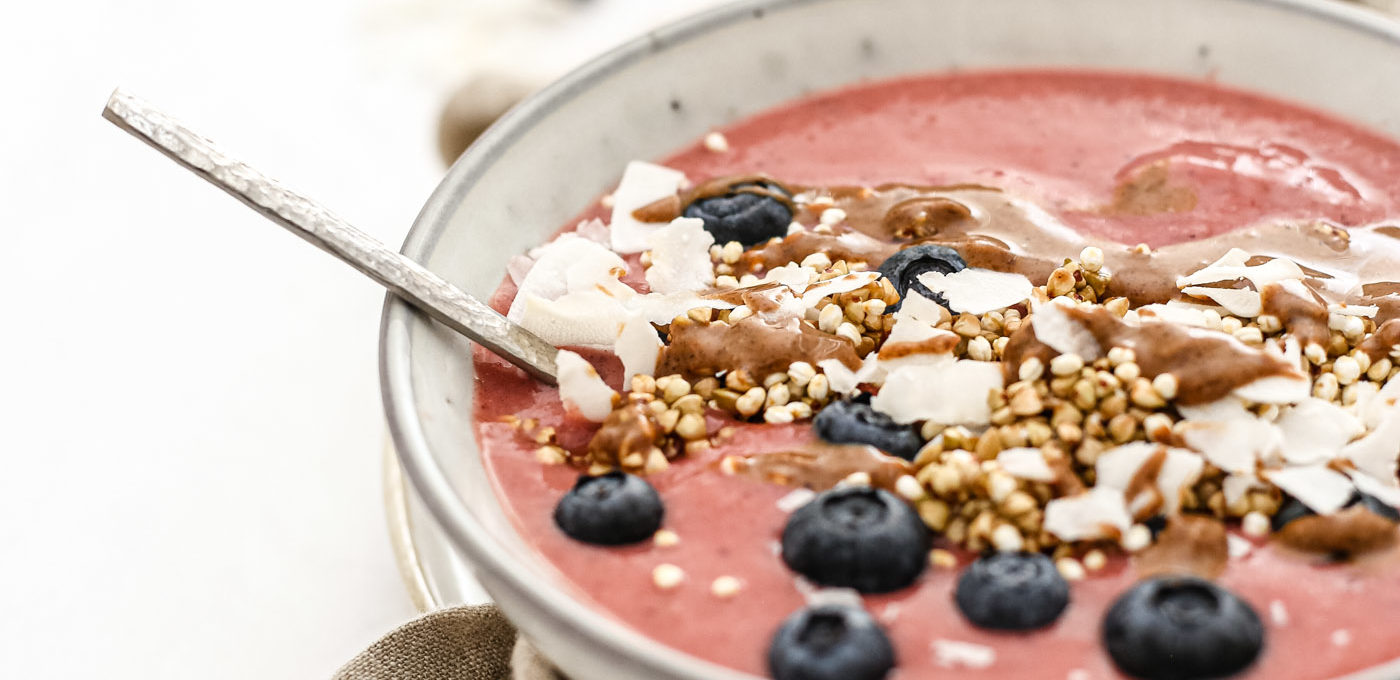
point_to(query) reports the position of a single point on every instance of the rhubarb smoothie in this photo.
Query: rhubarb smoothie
(1013, 374)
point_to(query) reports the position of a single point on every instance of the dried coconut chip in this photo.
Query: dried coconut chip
(638, 346)
(680, 257)
(1056, 329)
(642, 183)
(949, 394)
(843, 380)
(581, 388)
(913, 341)
(570, 263)
(1367, 311)
(1315, 430)
(1385, 493)
(1226, 408)
(1240, 302)
(1232, 445)
(978, 291)
(1322, 489)
(1117, 467)
(584, 319)
(1236, 485)
(920, 308)
(1026, 463)
(837, 285)
(1184, 314)
(1375, 454)
(1278, 389)
(1232, 267)
(1095, 514)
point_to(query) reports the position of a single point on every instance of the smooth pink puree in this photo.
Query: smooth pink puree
(1060, 138)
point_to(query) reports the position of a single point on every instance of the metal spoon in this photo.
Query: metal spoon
(306, 218)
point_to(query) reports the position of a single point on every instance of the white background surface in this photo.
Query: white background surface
(189, 409)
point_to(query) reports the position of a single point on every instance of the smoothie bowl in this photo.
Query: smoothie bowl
(1094, 363)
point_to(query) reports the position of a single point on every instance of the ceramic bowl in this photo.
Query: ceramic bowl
(544, 162)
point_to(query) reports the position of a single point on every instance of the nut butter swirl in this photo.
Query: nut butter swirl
(993, 230)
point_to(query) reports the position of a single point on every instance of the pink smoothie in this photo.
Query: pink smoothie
(1068, 141)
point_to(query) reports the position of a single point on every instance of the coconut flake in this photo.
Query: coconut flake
(1232, 267)
(978, 291)
(1237, 547)
(837, 285)
(680, 257)
(918, 307)
(584, 319)
(958, 654)
(1314, 431)
(1225, 408)
(570, 263)
(1055, 328)
(581, 388)
(1181, 469)
(642, 183)
(1026, 463)
(843, 380)
(1180, 314)
(638, 346)
(1320, 488)
(793, 275)
(1388, 493)
(1240, 302)
(1276, 389)
(1375, 454)
(1236, 485)
(1116, 468)
(1232, 445)
(950, 394)
(1367, 311)
(1095, 514)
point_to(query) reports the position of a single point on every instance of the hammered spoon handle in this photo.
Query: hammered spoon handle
(404, 277)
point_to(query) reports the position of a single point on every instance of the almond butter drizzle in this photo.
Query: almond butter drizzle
(1191, 544)
(1305, 318)
(1348, 532)
(1207, 364)
(821, 465)
(754, 345)
(992, 230)
(1383, 341)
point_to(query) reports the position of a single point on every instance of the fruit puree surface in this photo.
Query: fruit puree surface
(1069, 141)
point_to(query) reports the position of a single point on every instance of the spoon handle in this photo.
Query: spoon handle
(306, 218)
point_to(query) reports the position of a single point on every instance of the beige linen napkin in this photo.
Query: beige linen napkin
(462, 643)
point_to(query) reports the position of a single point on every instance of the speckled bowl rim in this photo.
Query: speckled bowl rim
(607, 635)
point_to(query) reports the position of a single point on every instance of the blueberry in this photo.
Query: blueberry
(856, 537)
(1293, 509)
(611, 509)
(830, 642)
(853, 422)
(904, 267)
(749, 213)
(1012, 591)
(1180, 627)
